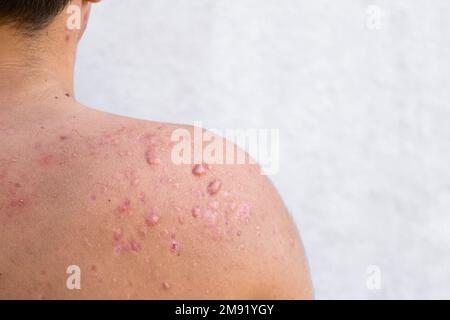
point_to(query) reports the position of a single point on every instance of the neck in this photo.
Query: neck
(37, 67)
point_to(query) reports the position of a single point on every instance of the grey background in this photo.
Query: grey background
(363, 111)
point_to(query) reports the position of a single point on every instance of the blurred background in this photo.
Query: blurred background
(360, 91)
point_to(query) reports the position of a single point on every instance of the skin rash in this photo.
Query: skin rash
(94, 200)
(79, 187)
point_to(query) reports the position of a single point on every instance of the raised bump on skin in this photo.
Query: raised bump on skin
(152, 218)
(199, 170)
(214, 187)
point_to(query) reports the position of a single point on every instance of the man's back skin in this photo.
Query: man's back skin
(84, 188)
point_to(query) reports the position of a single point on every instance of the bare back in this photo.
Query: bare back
(100, 192)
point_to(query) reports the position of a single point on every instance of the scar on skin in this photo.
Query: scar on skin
(214, 187)
(152, 218)
(211, 217)
(135, 182)
(134, 245)
(175, 247)
(166, 285)
(196, 212)
(214, 205)
(142, 232)
(48, 160)
(217, 235)
(125, 207)
(150, 139)
(118, 234)
(124, 153)
(129, 246)
(142, 197)
(244, 211)
(151, 157)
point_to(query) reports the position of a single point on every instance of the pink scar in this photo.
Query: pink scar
(152, 219)
(125, 207)
(214, 187)
(196, 212)
(244, 211)
(48, 160)
(118, 235)
(134, 246)
(150, 139)
(214, 205)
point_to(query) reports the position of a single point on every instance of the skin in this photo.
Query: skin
(87, 188)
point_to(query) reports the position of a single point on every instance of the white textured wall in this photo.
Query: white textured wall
(364, 116)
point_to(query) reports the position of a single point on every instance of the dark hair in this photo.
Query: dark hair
(30, 15)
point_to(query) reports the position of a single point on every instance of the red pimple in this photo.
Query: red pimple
(199, 170)
(214, 187)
